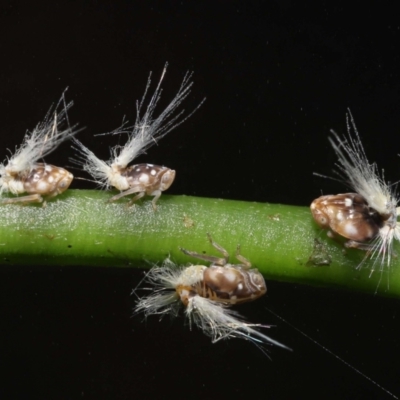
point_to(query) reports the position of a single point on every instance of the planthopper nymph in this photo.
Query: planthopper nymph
(206, 294)
(139, 179)
(22, 173)
(367, 218)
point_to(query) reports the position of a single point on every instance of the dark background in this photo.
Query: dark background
(277, 75)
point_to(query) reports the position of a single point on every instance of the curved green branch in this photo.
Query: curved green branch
(283, 242)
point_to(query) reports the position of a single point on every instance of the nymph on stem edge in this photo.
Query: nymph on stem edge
(143, 179)
(206, 294)
(22, 173)
(368, 217)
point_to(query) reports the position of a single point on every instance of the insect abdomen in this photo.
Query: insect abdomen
(46, 179)
(149, 177)
(232, 285)
(348, 215)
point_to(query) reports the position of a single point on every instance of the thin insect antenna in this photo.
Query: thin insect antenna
(332, 353)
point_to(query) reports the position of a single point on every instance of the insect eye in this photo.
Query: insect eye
(63, 184)
(167, 179)
(322, 220)
(258, 279)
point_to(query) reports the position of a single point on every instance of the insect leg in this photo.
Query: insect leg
(132, 190)
(245, 262)
(219, 248)
(157, 195)
(352, 244)
(33, 198)
(136, 198)
(213, 259)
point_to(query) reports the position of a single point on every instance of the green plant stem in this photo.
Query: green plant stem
(283, 242)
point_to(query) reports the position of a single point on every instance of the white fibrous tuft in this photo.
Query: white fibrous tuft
(2, 172)
(168, 276)
(215, 319)
(382, 245)
(148, 129)
(363, 177)
(87, 160)
(366, 179)
(164, 298)
(159, 304)
(45, 138)
(219, 322)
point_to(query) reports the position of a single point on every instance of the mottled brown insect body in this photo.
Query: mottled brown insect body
(233, 284)
(144, 179)
(222, 282)
(47, 180)
(148, 129)
(347, 215)
(22, 173)
(41, 180)
(207, 293)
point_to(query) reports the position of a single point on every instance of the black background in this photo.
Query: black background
(277, 76)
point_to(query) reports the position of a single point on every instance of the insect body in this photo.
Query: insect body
(227, 283)
(41, 180)
(368, 217)
(21, 173)
(143, 179)
(207, 293)
(347, 215)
